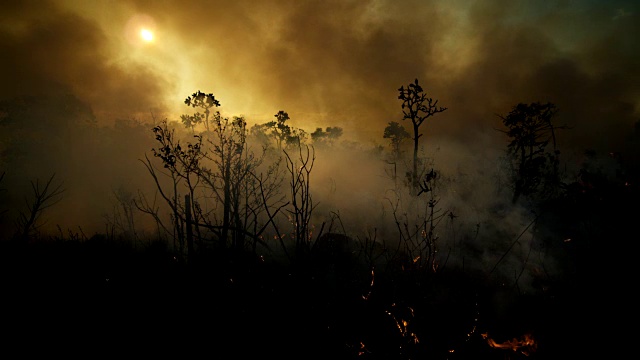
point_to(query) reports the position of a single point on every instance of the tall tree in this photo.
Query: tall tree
(534, 166)
(396, 133)
(203, 101)
(417, 107)
(218, 170)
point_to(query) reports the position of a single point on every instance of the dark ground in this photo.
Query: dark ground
(64, 296)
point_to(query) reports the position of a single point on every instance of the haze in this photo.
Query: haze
(328, 64)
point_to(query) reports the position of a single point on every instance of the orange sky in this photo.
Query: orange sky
(332, 63)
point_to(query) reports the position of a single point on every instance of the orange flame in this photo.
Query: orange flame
(366, 297)
(363, 349)
(403, 325)
(526, 344)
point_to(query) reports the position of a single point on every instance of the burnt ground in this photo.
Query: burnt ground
(106, 296)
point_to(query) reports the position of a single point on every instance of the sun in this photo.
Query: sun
(146, 35)
(140, 29)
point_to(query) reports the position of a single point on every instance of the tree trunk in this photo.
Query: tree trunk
(414, 175)
(227, 202)
(187, 208)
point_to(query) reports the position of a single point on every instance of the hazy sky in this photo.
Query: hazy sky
(327, 63)
(334, 63)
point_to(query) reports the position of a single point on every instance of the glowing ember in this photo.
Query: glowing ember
(366, 297)
(403, 325)
(363, 349)
(526, 344)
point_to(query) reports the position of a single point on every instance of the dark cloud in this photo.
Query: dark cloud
(594, 83)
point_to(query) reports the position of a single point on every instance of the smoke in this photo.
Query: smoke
(327, 63)
(55, 51)
(336, 63)
(340, 63)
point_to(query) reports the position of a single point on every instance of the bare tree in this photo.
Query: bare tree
(302, 205)
(216, 176)
(44, 197)
(417, 107)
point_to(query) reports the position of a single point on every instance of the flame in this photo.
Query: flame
(403, 325)
(363, 349)
(366, 297)
(526, 344)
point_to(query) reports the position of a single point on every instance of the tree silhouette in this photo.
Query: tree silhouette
(417, 107)
(283, 133)
(534, 168)
(44, 197)
(396, 133)
(219, 173)
(190, 121)
(327, 136)
(200, 100)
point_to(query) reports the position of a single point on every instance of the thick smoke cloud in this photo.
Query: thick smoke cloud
(591, 81)
(327, 63)
(338, 63)
(49, 50)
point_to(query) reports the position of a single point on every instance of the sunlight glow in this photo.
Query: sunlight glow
(146, 35)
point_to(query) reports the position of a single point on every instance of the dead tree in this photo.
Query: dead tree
(44, 197)
(417, 107)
